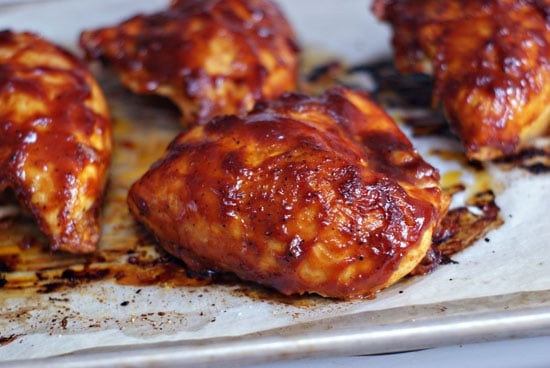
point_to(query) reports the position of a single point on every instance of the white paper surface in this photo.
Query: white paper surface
(516, 259)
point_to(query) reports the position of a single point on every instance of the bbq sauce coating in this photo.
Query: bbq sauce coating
(209, 57)
(491, 66)
(306, 195)
(55, 139)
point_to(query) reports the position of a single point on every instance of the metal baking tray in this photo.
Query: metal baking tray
(499, 288)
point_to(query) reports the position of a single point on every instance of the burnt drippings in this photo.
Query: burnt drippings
(141, 265)
(409, 96)
(4, 340)
(327, 71)
(536, 160)
(8, 262)
(395, 89)
(461, 228)
(259, 293)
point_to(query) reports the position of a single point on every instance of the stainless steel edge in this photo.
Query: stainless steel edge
(459, 323)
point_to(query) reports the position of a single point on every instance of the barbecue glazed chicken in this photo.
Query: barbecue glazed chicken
(55, 140)
(490, 61)
(306, 195)
(210, 57)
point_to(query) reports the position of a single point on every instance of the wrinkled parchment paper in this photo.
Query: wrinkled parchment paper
(514, 258)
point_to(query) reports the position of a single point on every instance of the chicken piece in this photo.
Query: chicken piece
(55, 140)
(210, 57)
(306, 195)
(490, 61)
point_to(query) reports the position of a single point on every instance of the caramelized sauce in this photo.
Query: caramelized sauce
(209, 57)
(55, 140)
(132, 257)
(452, 180)
(491, 74)
(8, 339)
(460, 229)
(295, 189)
(535, 160)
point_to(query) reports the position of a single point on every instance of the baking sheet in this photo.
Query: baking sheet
(499, 288)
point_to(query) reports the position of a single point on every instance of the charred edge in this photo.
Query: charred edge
(324, 71)
(408, 90)
(460, 229)
(8, 263)
(534, 160)
(8, 339)
(71, 278)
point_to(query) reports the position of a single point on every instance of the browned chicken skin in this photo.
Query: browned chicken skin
(306, 195)
(210, 57)
(55, 139)
(490, 61)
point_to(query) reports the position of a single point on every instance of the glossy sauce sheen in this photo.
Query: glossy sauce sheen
(322, 195)
(210, 57)
(128, 257)
(491, 66)
(55, 139)
(126, 254)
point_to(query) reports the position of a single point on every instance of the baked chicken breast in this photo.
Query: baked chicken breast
(306, 195)
(210, 57)
(490, 61)
(55, 140)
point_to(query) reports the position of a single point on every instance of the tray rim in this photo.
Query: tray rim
(463, 321)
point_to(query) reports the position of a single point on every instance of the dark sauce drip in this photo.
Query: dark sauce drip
(144, 266)
(460, 229)
(411, 94)
(6, 340)
(8, 262)
(324, 71)
(397, 90)
(535, 160)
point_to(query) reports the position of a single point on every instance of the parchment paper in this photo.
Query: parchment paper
(514, 258)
